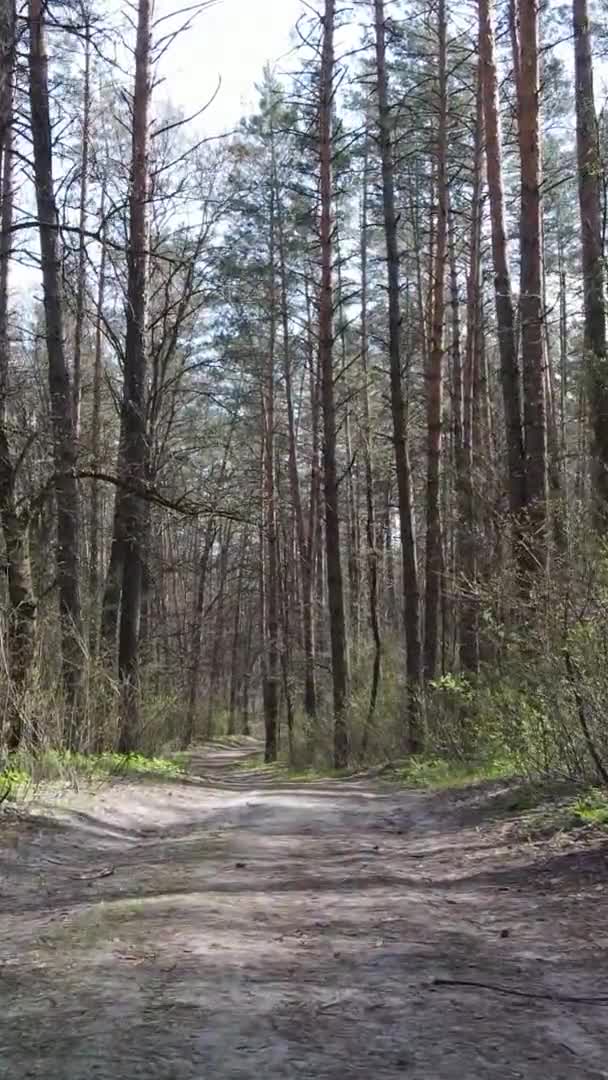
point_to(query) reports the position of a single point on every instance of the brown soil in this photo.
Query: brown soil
(236, 927)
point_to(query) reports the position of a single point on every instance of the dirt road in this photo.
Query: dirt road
(237, 928)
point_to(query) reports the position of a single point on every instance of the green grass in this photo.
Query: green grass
(432, 773)
(591, 808)
(251, 763)
(439, 774)
(544, 806)
(546, 803)
(24, 770)
(312, 773)
(557, 812)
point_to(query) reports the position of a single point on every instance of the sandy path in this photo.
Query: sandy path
(230, 928)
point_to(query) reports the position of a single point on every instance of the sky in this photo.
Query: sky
(230, 41)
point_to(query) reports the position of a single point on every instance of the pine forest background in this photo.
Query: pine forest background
(304, 428)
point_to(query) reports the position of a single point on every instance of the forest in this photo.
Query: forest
(304, 425)
(304, 556)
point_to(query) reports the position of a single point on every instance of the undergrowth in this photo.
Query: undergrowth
(24, 770)
(591, 808)
(442, 774)
(432, 773)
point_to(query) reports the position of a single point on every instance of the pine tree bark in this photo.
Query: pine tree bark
(7, 72)
(64, 445)
(326, 341)
(271, 575)
(514, 28)
(314, 515)
(434, 373)
(110, 604)
(216, 660)
(535, 426)
(95, 507)
(81, 287)
(286, 563)
(415, 735)
(352, 519)
(135, 445)
(21, 599)
(349, 481)
(505, 317)
(371, 531)
(466, 554)
(304, 541)
(592, 224)
(554, 478)
(235, 671)
(247, 653)
(189, 730)
(389, 578)
(563, 374)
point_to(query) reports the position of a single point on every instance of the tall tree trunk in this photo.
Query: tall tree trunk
(505, 318)
(352, 519)
(271, 575)
(563, 376)
(368, 454)
(235, 672)
(64, 445)
(95, 522)
(247, 663)
(22, 603)
(466, 383)
(7, 68)
(389, 581)
(404, 480)
(135, 457)
(514, 28)
(554, 477)
(81, 286)
(285, 564)
(590, 201)
(110, 603)
(305, 543)
(315, 518)
(469, 643)
(189, 730)
(326, 340)
(354, 545)
(434, 375)
(216, 662)
(535, 427)
(456, 457)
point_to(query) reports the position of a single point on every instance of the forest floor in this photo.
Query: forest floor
(236, 926)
